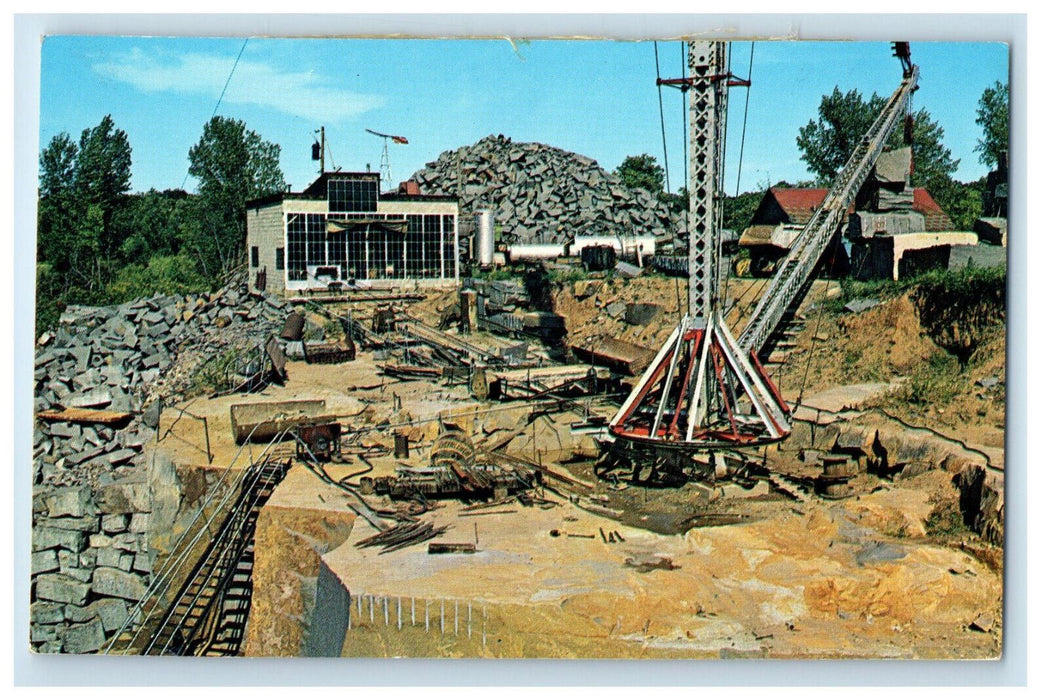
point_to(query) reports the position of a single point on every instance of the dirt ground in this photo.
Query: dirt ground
(705, 570)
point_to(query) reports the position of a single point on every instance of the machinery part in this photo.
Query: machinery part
(322, 441)
(452, 450)
(400, 445)
(701, 391)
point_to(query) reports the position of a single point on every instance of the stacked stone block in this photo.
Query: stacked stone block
(91, 558)
(542, 194)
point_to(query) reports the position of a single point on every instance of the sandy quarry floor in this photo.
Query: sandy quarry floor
(808, 581)
(859, 577)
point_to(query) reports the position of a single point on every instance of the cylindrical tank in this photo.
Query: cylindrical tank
(625, 246)
(535, 251)
(293, 326)
(581, 242)
(485, 240)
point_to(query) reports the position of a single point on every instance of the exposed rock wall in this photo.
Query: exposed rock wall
(294, 530)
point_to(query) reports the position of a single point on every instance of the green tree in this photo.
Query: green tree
(992, 116)
(827, 144)
(151, 223)
(56, 210)
(739, 211)
(962, 202)
(166, 274)
(232, 165)
(103, 177)
(58, 166)
(642, 171)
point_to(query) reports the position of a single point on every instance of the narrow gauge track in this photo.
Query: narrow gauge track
(208, 614)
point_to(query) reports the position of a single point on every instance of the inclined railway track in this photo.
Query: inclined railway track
(208, 613)
(205, 613)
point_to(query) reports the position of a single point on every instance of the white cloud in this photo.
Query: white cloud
(303, 94)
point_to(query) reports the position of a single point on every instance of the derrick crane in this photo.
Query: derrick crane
(705, 390)
(796, 270)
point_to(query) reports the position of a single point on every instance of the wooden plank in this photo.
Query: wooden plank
(85, 415)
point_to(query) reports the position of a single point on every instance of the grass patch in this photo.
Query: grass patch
(933, 384)
(968, 285)
(567, 276)
(945, 522)
(217, 373)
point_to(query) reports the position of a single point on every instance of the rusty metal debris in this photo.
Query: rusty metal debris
(322, 441)
(401, 536)
(452, 548)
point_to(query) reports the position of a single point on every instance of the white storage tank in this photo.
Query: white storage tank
(535, 251)
(485, 239)
(581, 242)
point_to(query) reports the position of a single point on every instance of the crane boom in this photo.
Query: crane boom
(794, 277)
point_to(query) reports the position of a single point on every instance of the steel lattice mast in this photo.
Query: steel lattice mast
(708, 99)
(706, 389)
(702, 390)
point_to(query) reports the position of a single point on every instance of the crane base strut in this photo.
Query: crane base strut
(700, 393)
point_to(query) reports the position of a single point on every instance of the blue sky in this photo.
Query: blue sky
(597, 98)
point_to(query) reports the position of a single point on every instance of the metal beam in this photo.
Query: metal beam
(707, 94)
(795, 272)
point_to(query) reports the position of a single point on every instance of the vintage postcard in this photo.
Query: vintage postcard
(501, 349)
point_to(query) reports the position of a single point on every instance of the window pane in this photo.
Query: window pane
(296, 244)
(346, 195)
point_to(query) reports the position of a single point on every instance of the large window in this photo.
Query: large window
(306, 243)
(368, 250)
(431, 246)
(352, 195)
(450, 252)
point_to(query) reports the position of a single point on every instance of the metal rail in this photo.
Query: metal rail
(219, 500)
(789, 285)
(219, 586)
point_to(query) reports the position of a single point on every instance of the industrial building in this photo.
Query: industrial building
(341, 232)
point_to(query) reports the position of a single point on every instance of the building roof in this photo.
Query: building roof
(800, 204)
(935, 219)
(318, 190)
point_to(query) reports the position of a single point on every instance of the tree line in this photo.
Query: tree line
(826, 143)
(98, 243)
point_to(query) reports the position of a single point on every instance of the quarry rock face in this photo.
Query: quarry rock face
(542, 194)
(92, 540)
